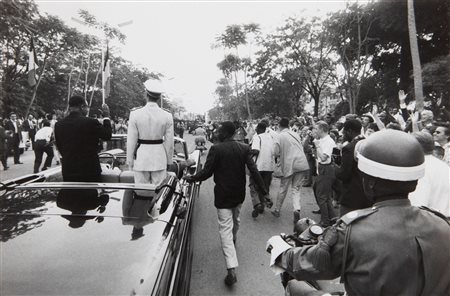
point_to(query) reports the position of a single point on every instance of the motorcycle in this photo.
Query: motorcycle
(306, 232)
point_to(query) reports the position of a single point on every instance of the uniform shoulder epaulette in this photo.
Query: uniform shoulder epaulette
(136, 108)
(439, 214)
(167, 110)
(353, 216)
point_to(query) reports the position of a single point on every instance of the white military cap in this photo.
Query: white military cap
(154, 86)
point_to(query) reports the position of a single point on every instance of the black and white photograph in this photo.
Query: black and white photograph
(225, 148)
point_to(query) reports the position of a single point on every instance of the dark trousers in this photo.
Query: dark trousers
(41, 147)
(323, 192)
(267, 179)
(14, 145)
(3, 157)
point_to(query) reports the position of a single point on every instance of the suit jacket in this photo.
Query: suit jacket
(9, 126)
(292, 156)
(150, 123)
(353, 195)
(77, 139)
(26, 127)
(227, 161)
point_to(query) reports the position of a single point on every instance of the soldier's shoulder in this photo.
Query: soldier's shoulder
(166, 110)
(136, 108)
(357, 215)
(436, 213)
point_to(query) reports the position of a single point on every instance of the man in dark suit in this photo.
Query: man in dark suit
(30, 125)
(353, 197)
(13, 126)
(227, 160)
(77, 139)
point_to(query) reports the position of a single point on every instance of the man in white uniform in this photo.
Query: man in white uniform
(150, 138)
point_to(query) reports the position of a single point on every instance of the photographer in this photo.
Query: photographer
(392, 248)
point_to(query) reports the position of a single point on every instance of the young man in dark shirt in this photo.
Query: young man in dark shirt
(227, 160)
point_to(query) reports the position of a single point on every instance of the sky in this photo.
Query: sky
(175, 38)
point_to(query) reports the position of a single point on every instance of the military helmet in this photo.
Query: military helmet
(391, 155)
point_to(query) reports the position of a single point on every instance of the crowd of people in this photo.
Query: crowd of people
(18, 134)
(323, 154)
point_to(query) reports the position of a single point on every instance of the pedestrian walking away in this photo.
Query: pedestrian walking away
(263, 149)
(294, 167)
(227, 160)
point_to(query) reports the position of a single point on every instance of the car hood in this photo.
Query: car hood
(53, 246)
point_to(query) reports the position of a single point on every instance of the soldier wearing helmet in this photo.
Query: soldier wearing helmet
(150, 138)
(392, 248)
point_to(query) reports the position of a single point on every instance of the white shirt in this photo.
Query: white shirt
(326, 145)
(433, 190)
(16, 130)
(44, 133)
(264, 144)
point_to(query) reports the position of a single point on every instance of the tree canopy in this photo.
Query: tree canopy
(357, 57)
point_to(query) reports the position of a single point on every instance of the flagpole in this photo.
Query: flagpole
(103, 77)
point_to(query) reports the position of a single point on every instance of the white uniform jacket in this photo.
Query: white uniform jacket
(150, 123)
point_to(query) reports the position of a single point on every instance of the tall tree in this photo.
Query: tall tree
(300, 46)
(349, 35)
(417, 68)
(234, 37)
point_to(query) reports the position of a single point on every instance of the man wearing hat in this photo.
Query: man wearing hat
(77, 139)
(392, 248)
(150, 138)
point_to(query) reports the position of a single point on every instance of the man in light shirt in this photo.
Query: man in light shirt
(433, 189)
(263, 149)
(324, 145)
(43, 144)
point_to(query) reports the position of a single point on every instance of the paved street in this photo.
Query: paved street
(254, 275)
(16, 170)
(208, 270)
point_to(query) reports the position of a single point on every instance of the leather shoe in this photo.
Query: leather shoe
(276, 213)
(255, 213)
(260, 208)
(18, 162)
(316, 211)
(230, 279)
(5, 168)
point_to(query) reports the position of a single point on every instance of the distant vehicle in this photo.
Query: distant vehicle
(108, 238)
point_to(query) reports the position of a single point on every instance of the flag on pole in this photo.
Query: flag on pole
(106, 73)
(32, 65)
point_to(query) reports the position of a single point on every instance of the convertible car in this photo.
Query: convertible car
(108, 238)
